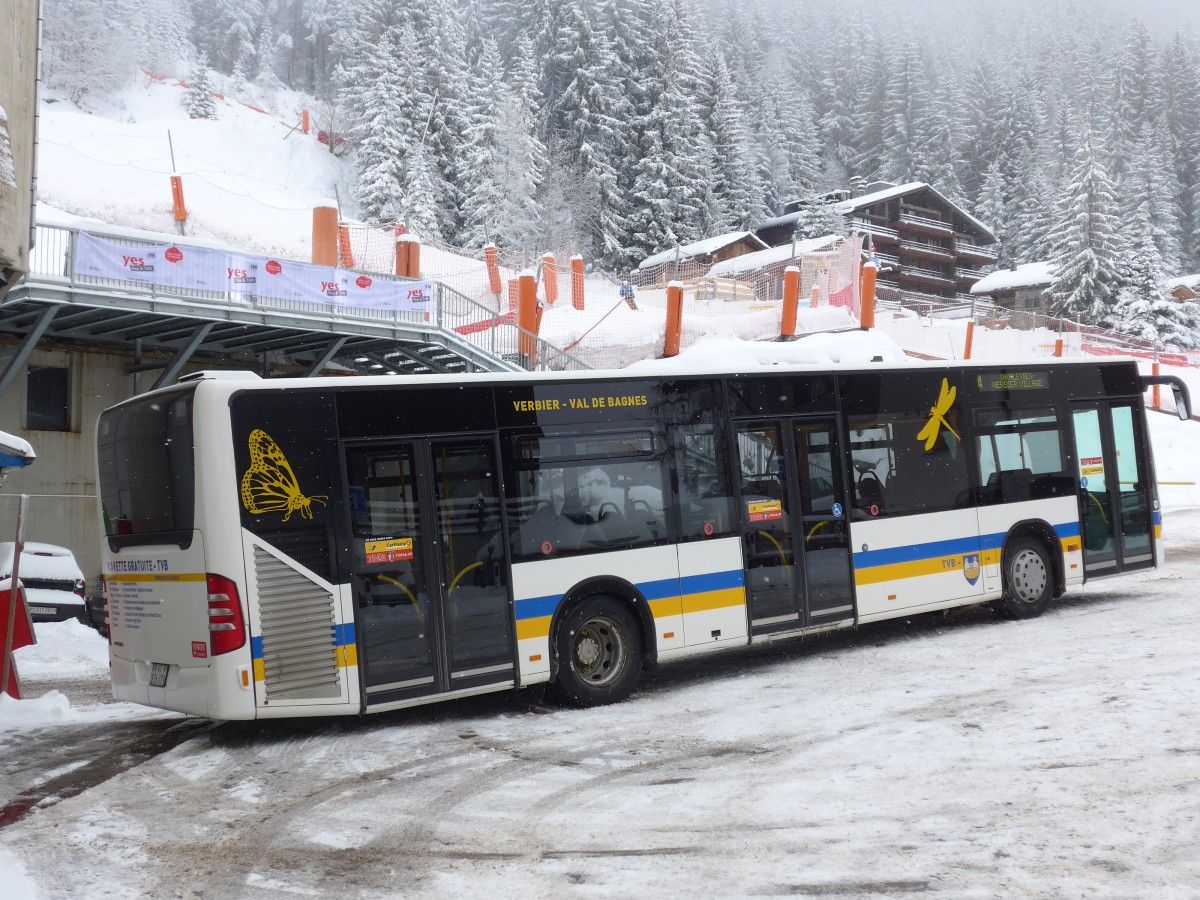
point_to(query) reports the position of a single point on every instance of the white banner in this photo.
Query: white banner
(239, 274)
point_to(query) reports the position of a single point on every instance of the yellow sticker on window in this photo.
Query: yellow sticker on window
(765, 510)
(386, 550)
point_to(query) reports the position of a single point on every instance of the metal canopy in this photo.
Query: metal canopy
(146, 325)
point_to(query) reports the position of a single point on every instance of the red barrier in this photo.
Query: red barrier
(18, 633)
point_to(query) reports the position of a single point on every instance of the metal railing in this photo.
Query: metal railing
(925, 222)
(966, 248)
(458, 319)
(929, 249)
(875, 229)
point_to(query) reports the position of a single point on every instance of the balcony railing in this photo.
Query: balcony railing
(965, 248)
(875, 229)
(927, 274)
(927, 249)
(969, 274)
(908, 218)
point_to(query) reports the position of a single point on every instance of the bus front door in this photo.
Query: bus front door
(1115, 513)
(430, 580)
(794, 531)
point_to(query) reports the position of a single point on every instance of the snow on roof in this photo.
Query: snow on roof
(1028, 275)
(41, 561)
(700, 248)
(846, 207)
(1192, 282)
(748, 262)
(19, 445)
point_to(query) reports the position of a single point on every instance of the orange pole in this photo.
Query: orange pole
(970, 338)
(674, 318)
(304, 120)
(1058, 347)
(577, 281)
(324, 235)
(1155, 395)
(177, 198)
(345, 252)
(550, 278)
(791, 301)
(492, 259)
(401, 258)
(514, 290)
(414, 257)
(867, 316)
(527, 316)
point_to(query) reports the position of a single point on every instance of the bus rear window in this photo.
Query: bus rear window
(147, 482)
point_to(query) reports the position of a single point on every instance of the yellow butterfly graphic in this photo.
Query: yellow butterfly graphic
(269, 485)
(937, 416)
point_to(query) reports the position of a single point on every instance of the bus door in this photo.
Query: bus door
(794, 525)
(1116, 518)
(433, 603)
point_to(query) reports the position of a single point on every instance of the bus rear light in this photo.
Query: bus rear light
(227, 628)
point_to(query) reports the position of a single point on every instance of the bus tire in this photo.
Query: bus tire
(599, 648)
(1028, 580)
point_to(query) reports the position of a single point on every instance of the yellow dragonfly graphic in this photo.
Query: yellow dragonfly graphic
(937, 416)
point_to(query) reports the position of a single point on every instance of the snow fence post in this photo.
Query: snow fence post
(527, 317)
(550, 278)
(866, 316)
(577, 281)
(791, 301)
(408, 256)
(325, 234)
(674, 318)
(345, 251)
(970, 339)
(492, 259)
(177, 199)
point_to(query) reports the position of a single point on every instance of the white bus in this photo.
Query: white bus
(335, 546)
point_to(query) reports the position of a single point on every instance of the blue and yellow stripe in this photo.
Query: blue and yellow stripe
(666, 597)
(935, 557)
(345, 646)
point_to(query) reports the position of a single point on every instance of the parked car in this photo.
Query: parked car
(53, 582)
(95, 610)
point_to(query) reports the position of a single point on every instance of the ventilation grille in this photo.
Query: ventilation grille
(299, 652)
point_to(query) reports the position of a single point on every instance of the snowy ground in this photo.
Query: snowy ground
(955, 755)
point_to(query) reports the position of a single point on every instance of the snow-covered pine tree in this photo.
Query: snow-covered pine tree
(1182, 100)
(1151, 183)
(199, 101)
(590, 121)
(1144, 308)
(1084, 249)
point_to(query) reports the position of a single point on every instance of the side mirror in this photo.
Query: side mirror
(1182, 402)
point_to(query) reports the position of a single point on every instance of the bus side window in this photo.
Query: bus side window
(705, 499)
(1020, 455)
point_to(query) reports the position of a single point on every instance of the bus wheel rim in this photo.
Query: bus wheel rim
(1029, 576)
(599, 651)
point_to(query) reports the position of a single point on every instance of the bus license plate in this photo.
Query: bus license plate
(158, 674)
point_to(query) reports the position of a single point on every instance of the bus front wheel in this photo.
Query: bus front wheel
(599, 653)
(1028, 580)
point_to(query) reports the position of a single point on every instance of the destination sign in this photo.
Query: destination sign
(1013, 381)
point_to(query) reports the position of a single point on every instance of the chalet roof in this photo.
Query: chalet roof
(701, 248)
(1037, 274)
(854, 204)
(749, 262)
(1191, 282)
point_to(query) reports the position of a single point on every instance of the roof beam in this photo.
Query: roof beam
(325, 357)
(17, 361)
(185, 353)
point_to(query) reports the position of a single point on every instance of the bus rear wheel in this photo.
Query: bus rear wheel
(599, 653)
(1028, 580)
